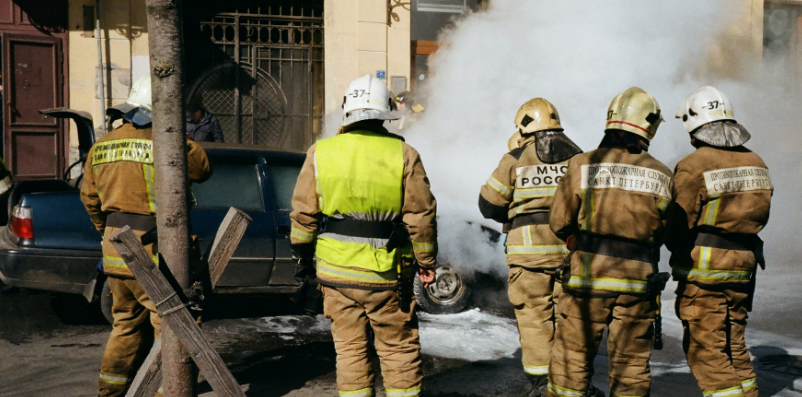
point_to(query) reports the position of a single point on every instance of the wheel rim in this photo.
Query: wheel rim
(447, 288)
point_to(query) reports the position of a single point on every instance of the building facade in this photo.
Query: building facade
(270, 70)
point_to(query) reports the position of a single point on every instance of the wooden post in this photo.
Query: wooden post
(149, 378)
(226, 241)
(174, 313)
(166, 44)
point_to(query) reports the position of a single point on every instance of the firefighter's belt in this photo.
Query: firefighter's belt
(363, 229)
(538, 218)
(134, 221)
(617, 247)
(738, 242)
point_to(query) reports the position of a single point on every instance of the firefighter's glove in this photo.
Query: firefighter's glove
(304, 269)
(656, 283)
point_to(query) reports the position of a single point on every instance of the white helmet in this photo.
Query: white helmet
(139, 103)
(703, 106)
(707, 114)
(367, 98)
(140, 94)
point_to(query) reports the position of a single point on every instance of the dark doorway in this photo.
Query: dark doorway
(34, 38)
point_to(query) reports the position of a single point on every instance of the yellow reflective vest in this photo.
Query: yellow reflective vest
(359, 176)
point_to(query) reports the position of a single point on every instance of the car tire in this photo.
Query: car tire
(106, 301)
(448, 294)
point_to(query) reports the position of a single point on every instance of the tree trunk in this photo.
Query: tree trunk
(165, 39)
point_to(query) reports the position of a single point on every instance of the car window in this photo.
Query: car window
(231, 185)
(284, 178)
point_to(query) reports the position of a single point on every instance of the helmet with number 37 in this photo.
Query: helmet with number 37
(707, 114)
(367, 98)
(703, 106)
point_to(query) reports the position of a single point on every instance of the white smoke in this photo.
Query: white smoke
(579, 55)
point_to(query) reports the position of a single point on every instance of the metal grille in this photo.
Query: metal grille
(265, 84)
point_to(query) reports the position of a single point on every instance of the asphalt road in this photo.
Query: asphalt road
(276, 352)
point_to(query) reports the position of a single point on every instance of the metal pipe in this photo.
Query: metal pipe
(100, 67)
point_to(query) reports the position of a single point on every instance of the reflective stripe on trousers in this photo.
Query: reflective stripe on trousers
(114, 379)
(536, 370)
(730, 392)
(564, 391)
(366, 392)
(412, 391)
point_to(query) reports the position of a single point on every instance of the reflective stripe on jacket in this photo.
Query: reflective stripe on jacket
(721, 191)
(612, 193)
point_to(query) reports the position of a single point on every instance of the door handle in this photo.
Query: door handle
(283, 230)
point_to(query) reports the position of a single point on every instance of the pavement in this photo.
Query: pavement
(274, 351)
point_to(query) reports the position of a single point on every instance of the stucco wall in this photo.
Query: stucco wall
(125, 54)
(359, 41)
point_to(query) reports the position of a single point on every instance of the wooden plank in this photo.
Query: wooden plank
(175, 315)
(149, 378)
(226, 241)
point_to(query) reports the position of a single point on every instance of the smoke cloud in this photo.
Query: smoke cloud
(579, 55)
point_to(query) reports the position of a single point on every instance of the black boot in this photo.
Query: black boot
(594, 392)
(538, 386)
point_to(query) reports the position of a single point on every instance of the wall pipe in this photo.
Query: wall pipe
(100, 67)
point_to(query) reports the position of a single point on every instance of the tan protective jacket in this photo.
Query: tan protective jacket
(608, 194)
(119, 174)
(726, 192)
(523, 184)
(418, 213)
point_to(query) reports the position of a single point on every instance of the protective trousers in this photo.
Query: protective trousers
(136, 324)
(534, 294)
(713, 321)
(353, 313)
(580, 326)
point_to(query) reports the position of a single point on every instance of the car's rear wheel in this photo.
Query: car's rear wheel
(105, 302)
(448, 294)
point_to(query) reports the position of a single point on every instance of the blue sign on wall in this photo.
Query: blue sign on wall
(381, 74)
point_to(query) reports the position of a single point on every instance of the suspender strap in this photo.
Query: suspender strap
(538, 218)
(619, 248)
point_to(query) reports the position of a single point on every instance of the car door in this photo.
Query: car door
(238, 181)
(282, 172)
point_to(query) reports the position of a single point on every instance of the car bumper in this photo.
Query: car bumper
(60, 270)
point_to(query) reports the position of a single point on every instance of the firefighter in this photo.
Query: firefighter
(118, 189)
(371, 191)
(611, 207)
(520, 192)
(723, 195)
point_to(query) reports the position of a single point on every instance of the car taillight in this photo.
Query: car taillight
(22, 222)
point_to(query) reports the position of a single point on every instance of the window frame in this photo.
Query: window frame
(259, 174)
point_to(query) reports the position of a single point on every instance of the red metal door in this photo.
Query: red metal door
(34, 147)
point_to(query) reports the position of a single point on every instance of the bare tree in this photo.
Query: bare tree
(165, 39)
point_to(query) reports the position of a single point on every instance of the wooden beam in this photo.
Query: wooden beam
(149, 378)
(226, 241)
(174, 313)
